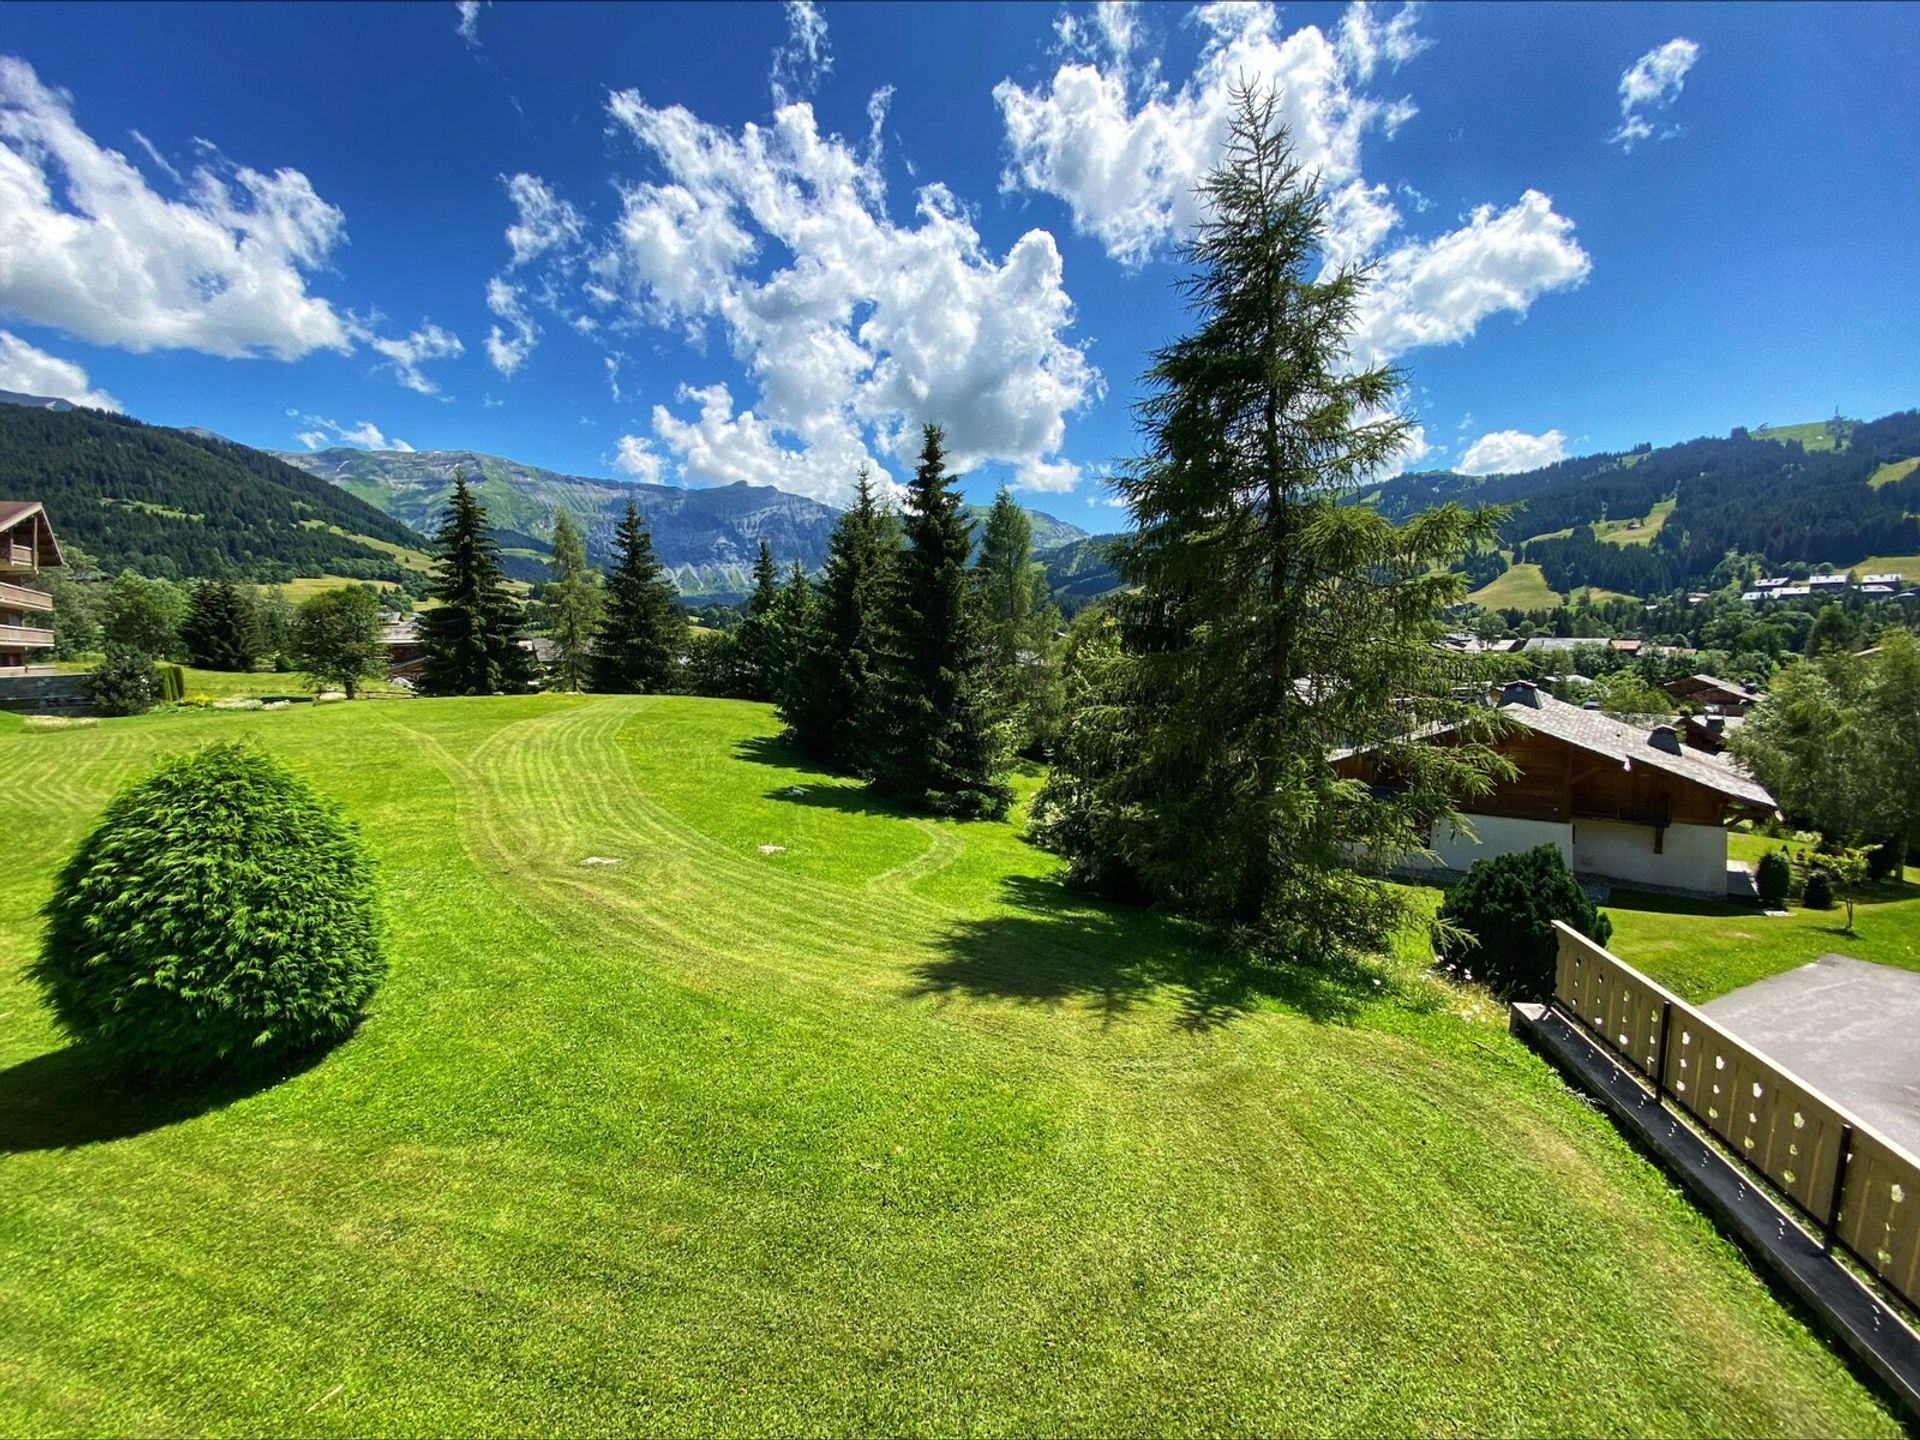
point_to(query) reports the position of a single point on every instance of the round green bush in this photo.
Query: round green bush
(1773, 878)
(1498, 922)
(221, 916)
(1819, 892)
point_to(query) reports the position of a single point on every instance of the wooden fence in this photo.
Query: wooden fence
(1860, 1190)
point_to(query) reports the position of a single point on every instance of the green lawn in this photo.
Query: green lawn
(1640, 532)
(1519, 587)
(882, 1131)
(1813, 435)
(1894, 470)
(1701, 949)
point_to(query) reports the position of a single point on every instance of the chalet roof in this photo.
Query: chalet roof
(1603, 735)
(1885, 577)
(13, 512)
(1710, 682)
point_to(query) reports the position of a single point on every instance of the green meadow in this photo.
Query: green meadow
(708, 1093)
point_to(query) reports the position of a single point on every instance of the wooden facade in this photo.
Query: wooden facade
(27, 547)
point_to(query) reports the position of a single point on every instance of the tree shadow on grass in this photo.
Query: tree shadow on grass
(772, 750)
(849, 799)
(1651, 903)
(68, 1098)
(1061, 946)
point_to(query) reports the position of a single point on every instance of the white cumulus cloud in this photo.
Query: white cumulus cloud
(321, 432)
(1126, 156)
(853, 328)
(27, 370)
(807, 56)
(1650, 85)
(406, 356)
(635, 456)
(467, 25)
(1505, 452)
(88, 247)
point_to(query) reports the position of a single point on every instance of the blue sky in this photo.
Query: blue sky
(701, 244)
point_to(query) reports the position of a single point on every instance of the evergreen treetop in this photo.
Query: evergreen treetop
(936, 746)
(643, 630)
(830, 690)
(471, 641)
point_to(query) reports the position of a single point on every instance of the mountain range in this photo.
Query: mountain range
(1645, 522)
(708, 538)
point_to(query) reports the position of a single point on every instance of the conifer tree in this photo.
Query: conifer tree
(791, 622)
(1269, 624)
(759, 641)
(935, 745)
(220, 632)
(829, 691)
(570, 604)
(643, 630)
(1019, 623)
(470, 641)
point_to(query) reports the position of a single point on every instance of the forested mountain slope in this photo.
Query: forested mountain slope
(167, 502)
(1749, 493)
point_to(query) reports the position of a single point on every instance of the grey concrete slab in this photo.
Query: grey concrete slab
(1848, 1028)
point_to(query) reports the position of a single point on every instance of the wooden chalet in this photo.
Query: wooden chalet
(1622, 802)
(27, 547)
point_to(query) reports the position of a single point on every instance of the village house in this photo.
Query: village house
(1623, 803)
(27, 546)
(1712, 695)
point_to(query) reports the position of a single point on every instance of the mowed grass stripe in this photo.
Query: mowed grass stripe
(715, 1141)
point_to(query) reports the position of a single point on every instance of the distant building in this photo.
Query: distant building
(1827, 582)
(27, 546)
(1712, 694)
(1887, 577)
(1621, 802)
(407, 656)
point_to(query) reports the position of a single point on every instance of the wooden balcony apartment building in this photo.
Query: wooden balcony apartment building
(27, 546)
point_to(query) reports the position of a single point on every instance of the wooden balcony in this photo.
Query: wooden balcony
(24, 637)
(18, 597)
(18, 559)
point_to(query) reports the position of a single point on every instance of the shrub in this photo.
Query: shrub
(169, 683)
(1819, 891)
(122, 684)
(220, 915)
(1498, 921)
(1773, 878)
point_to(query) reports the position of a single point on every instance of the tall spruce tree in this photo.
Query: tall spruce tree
(792, 622)
(644, 629)
(830, 688)
(1019, 624)
(570, 604)
(1270, 624)
(759, 639)
(471, 640)
(220, 631)
(935, 745)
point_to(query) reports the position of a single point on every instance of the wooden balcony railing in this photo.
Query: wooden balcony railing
(18, 597)
(24, 637)
(1858, 1189)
